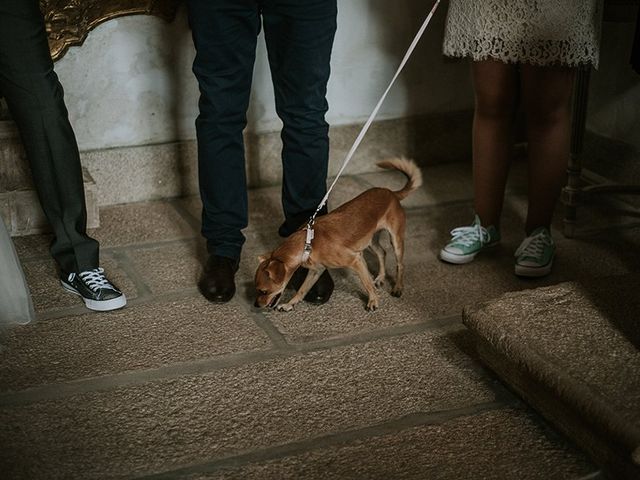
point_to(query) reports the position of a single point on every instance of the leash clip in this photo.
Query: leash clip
(306, 253)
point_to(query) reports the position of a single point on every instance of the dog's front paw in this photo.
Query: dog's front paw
(284, 307)
(379, 281)
(396, 292)
(372, 304)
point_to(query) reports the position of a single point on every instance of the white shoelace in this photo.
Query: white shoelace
(533, 246)
(95, 279)
(469, 235)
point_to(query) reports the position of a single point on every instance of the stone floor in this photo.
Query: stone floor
(174, 387)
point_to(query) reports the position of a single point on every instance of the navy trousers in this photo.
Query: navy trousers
(299, 37)
(35, 98)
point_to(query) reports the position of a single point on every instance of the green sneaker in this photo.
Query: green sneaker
(467, 242)
(534, 256)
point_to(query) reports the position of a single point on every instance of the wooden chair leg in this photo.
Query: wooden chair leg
(572, 192)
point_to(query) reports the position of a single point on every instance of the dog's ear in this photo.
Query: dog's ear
(263, 257)
(276, 271)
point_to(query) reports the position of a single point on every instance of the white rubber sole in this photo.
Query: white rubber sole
(462, 259)
(533, 272)
(456, 259)
(97, 305)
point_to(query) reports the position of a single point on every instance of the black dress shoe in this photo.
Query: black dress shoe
(217, 283)
(320, 292)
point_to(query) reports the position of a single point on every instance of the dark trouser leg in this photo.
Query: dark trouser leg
(299, 37)
(35, 98)
(224, 34)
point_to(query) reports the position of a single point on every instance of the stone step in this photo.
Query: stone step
(573, 352)
(19, 204)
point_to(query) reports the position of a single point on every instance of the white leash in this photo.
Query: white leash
(307, 246)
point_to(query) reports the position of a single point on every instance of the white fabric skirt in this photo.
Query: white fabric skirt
(538, 32)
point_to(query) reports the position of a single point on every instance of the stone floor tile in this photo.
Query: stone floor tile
(598, 213)
(192, 419)
(344, 314)
(456, 449)
(140, 223)
(137, 337)
(608, 254)
(30, 246)
(170, 267)
(440, 289)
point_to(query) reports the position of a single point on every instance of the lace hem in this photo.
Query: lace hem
(552, 53)
(539, 32)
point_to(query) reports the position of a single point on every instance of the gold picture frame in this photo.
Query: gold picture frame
(68, 22)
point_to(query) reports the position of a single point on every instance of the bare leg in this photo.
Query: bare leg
(547, 99)
(495, 86)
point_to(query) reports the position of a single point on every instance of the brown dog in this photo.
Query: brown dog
(340, 237)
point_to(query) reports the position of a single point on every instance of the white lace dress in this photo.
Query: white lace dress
(538, 32)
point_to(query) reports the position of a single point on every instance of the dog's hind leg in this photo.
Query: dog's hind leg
(360, 267)
(312, 277)
(396, 233)
(380, 254)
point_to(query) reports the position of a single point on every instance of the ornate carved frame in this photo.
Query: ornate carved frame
(69, 21)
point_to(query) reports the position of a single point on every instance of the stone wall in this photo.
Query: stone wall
(19, 205)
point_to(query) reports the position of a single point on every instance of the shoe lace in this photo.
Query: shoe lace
(95, 279)
(469, 235)
(533, 246)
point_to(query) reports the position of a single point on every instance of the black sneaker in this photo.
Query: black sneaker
(96, 291)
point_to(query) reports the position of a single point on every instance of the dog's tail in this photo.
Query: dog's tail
(410, 169)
